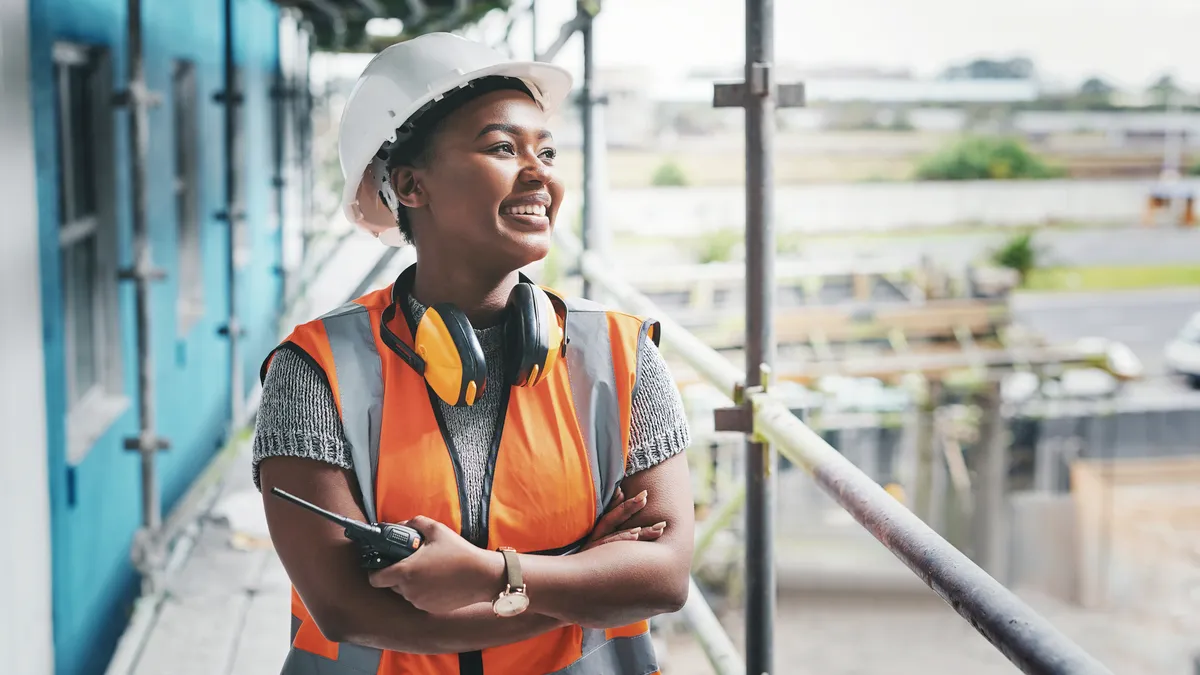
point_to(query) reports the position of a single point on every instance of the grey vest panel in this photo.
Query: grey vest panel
(359, 374)
(352, 660)
(594, 390)
(618, 656)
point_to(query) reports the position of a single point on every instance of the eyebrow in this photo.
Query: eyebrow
(513, 130)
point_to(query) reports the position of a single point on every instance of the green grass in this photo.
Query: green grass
(1112, 278)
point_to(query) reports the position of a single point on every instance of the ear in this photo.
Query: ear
(408, 187)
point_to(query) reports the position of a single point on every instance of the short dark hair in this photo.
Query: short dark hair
(415, 136)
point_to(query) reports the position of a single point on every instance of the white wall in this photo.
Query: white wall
(26, 639)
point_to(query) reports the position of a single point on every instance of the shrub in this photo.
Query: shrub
(669, 174)
(985, 158)
(1018, 253)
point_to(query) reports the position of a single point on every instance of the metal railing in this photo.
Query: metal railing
(1028, 640)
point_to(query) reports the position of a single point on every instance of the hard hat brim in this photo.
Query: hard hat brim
(549, 83)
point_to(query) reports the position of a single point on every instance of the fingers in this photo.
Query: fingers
(618, 497)
(633, 534)
(424, 525)
(653, 532)
(388, 577)
(622, 512)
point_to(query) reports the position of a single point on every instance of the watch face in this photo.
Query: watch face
(511, 604)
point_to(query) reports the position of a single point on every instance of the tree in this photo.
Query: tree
(1020, 254)
(1163, 90)
(1096, 91)
(991, 69)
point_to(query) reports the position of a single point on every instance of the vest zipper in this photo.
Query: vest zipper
(471, 663)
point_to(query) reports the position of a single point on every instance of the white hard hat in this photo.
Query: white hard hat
(400, 81)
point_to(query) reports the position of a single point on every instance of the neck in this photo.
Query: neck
(480, 294)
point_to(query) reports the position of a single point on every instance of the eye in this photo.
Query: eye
(549, 153)
(504, 147)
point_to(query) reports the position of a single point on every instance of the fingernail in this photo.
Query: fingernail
(635, 532)
(641, 497)
(659, 526)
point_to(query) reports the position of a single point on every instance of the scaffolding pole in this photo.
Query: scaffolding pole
(759, 96)
(137, 99)
(230, 98)
(587, 114)
(760, 336)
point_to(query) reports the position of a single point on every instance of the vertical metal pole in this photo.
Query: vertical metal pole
(923, 489)
(533, 35)
(139, 141)
(138, 138)
(232, 218)
(137, 99)
(760, 332)
(588, 120)
(989, 525)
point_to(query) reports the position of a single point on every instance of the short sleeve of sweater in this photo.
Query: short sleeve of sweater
(297, 416)
(659, 426)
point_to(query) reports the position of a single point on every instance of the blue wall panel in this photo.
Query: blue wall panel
(96, 504)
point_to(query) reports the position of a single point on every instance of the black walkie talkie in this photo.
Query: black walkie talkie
(381, 544)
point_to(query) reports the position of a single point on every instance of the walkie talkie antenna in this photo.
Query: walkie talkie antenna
(341, 520)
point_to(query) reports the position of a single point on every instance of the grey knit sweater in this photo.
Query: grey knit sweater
(298, 417)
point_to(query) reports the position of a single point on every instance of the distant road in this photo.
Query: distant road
(1144, 320)
(1079, 247)
(1104, 246)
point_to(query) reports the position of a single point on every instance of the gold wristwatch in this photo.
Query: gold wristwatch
(512, 600)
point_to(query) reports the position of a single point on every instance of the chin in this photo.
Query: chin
(534, 247)
(517, 250)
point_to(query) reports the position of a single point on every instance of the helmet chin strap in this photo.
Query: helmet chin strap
(381, 185)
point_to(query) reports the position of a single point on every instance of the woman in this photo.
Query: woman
(502, 422)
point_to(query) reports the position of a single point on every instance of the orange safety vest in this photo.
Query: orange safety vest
(558, 454)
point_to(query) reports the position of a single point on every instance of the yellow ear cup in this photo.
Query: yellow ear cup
(554, 338)
(454, 365)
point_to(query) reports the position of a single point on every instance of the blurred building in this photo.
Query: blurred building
(226, 196)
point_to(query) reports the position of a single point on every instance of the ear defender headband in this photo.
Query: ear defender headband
(447, 354)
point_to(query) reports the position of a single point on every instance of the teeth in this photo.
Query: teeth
(527, 210)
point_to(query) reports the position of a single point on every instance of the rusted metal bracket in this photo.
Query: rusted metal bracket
(740, 417)
(762, 85)
(137, 95)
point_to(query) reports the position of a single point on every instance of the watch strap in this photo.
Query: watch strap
(512, 569)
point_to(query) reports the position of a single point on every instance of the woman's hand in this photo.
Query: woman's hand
(447, 573)
(610, 526)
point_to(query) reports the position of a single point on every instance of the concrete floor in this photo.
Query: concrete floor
(227, 614)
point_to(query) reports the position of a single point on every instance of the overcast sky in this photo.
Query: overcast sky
(1127, 41)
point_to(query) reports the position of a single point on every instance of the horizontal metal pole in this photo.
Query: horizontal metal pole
(1021, 634)
(711, 635)
(717, 522)
(1032, 643)
(713, 367)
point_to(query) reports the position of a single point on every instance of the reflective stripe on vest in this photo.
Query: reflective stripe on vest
(631, 655)
(360, 392)
(344, 344)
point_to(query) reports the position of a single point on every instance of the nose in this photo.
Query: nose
(535, 172)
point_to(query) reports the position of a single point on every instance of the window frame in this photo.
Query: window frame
(185, 129)
(89, 413)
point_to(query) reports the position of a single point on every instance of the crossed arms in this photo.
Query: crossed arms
(441, 603)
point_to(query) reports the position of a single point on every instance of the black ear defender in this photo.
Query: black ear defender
(446, 353)
(534, 333)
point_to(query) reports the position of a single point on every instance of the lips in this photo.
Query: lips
(528, 212)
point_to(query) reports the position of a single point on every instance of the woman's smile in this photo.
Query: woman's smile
(529, 213)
